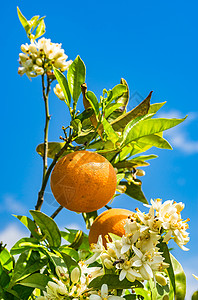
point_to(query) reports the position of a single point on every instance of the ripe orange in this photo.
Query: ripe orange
(110, 221)
(83, 181)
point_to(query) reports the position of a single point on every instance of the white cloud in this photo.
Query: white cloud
(11, 204)
(179, 135)
(11, 234)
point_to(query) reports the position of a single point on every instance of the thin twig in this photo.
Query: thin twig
(56, 212)
(108, 207)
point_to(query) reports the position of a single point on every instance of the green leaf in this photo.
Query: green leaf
(69, 251)
(180, 279)
(85, 114)
(40, 29)
(117, 91)
(48, 228)
(154, 140)
(27, 243)
(36, 22)
(113, 282)
(23, 20)
(111, 134)
(36, 280)
(140, 110)
(4, 280)
(195, 296)
(30, 225)
(6, 259)
(63, 84)
(28, 262)
(155, 107)
(130, 297)
(77, 126)
(89, 218)
(145, 157)
(21, 292)
(134, 190)
(110, 109)
(144, 293)
(69, 261)
(76, 77)
(150, 126)
(53, 149)
(91, 97)
(119, 177)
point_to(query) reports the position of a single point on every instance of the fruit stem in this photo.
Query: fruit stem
(56, 212)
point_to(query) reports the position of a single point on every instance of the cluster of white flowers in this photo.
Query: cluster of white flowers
(136, 255)
(39, 57)
(73, 286)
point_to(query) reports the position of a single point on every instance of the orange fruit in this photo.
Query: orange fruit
(83, 181)
(110, 221)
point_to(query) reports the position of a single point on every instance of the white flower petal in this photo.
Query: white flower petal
(122, 275)
(137, 252)
(125, 248)
(137, 263)
(104, 291)
(148, 270)
(94, 297)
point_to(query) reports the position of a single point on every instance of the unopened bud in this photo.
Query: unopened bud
(52, 285)
(21, 70)
(24, 48)
(39, 62)
(23, 57)
(140, 172)
(111, 253)
(62, 290)
(161, 279)
(32, 48)
(108, 263)
(75, 275)
(40, 71)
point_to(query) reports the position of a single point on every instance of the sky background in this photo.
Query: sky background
(154, 46)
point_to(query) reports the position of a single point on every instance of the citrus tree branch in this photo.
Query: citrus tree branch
(56, 212)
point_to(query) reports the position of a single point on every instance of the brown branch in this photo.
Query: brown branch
(56, 212)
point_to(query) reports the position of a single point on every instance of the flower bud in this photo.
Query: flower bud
(24, 48)
(40, 71)
(62, 290)
(161, 279)
(166, 297)
(111, 253)
(32, 48)
(52, 285)
(39, 62)
(140, 172)
(21, 70)
(58, 92)
(75, 275)
(108, 263)
(23, 57)
(61, 272)
(28, 63)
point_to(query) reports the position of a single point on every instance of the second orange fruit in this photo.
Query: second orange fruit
(83, 181)
(110, 221)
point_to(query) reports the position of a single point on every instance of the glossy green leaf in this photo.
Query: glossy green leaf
(91, 97)
(119, 177)
(23, 20)
(69, 251)
(140, 110)
(130, 164)
(77, 126)
(48, 228)
(195, 296)
(111, 108)
(144, 293)
(23, 245)
(111, 134)
(145, 157)
(21, 292)
(150, 126)
(36, 22)
(26, 265)
(69, 261)
(40, 29)
(6, 259)
(155, 107)
(113, 282)
(130, 297)
(180, 279)
(134, 190)
(53, 149)
(117, 91)
(30, 225)
(154, 140)
(63, 84)
(85, 114)
(36, 280)
(4, 281)
(89, 218)
(76, 77)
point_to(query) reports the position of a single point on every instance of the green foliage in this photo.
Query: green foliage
(53, 149)
(180, 279)
(195, 296)
(64, 85)
(30, 26)
(134, 190)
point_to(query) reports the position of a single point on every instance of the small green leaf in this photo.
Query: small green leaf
(111, 134)
(144, 293)
(77, 126)
(48, 228)
(154, 140)
(30, 225)
(53, 149)
(113, 282)
(85, 114)
(180, 279)
(150, 126)
(27, 243)
(140, 110)
(23, 20)
(119, 177)
(195, 296)
(69, 251)
(117, 91)
(69, 261)
(134, 190)
(63, 84)
(89, 218)
(6, 259)
(36, 22)
(130, 297)
(40, 29)
(91, 97)
(111, 108)
(36, 280)
(155, 107)
(76, 77)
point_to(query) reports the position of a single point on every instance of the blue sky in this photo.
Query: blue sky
(154, 46)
